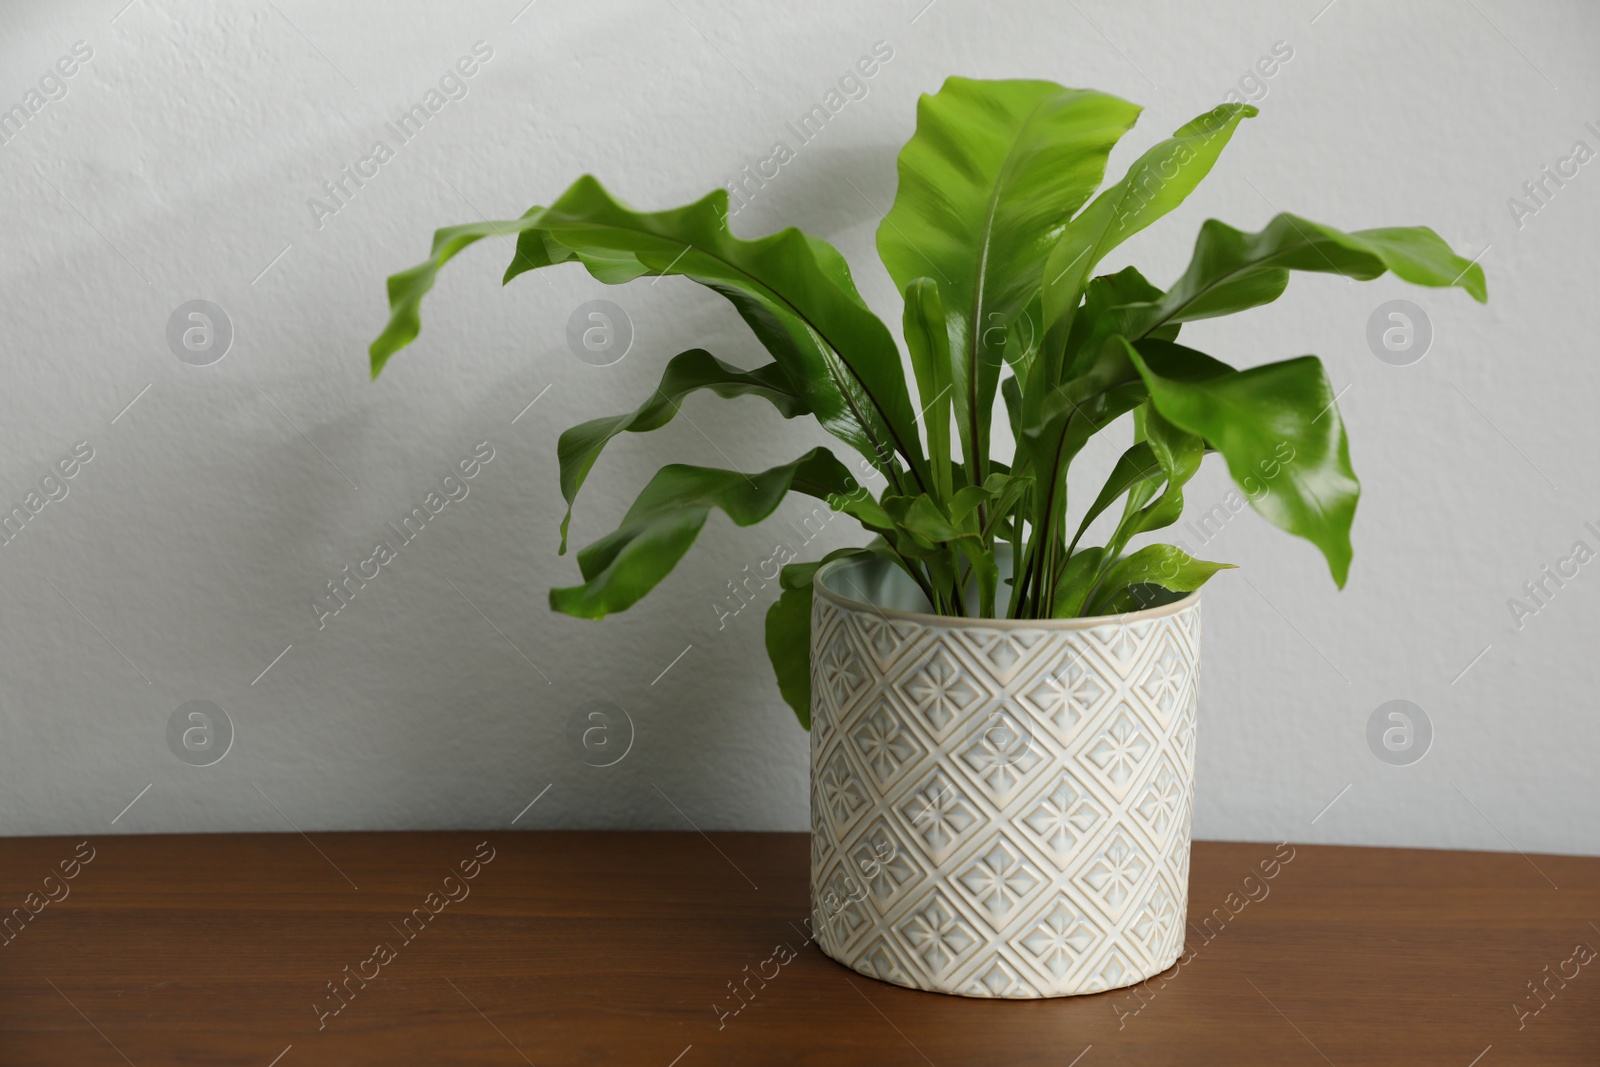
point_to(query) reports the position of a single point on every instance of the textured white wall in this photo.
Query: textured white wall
(177, 163)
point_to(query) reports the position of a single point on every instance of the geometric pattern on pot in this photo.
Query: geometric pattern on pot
(1002, 808)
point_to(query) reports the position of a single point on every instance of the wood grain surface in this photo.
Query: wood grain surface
(626, 948)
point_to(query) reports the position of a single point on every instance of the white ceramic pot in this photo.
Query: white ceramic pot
(999, 808)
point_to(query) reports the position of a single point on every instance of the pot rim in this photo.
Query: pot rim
(925, 618)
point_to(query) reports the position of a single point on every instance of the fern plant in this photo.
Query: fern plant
(993, 240)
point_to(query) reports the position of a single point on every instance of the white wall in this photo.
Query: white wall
(179, 164)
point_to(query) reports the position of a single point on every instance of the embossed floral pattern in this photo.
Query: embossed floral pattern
(1005, 813)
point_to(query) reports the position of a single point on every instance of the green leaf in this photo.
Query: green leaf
(407, 288)
(1157, 182)
(1162, 455)
(1233, 271)
(922, 518)
(1277, 426)
(1067, 417)
(1135, 465)
(1011, 392)
(998, 494)
(861, 506)
(1081, 405)
(929, 346)
(1005, 490)
(1105, 310)
(687, 372)
(1178, 454)
(984, 571)
(1159, 565)
(1076, 583)
(986, 184)
(794, 291)
(663, 522)
(965, 504)
(789, 631)
(1024, 334)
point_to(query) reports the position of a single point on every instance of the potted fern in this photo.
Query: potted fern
(1002, 716)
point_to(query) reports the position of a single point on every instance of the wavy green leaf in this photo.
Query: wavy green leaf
(1277, 425)
(687, 372)
(923, 519)
(663, 522)
(1164, 566)
(1024, 335)
(1137, 464)
(1157, 182)
(864, 508)
(986, 184)
(928, 344)
(1005, 490)
(1233, 271)
(1178, 455)
(1076, 583)
(794, 291)
(788, 631)
(1105, 310)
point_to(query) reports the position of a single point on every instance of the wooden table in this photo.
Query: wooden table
(619, 948)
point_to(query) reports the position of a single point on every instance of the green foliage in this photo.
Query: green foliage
(686, 373)
(663, 522)
(789, 627)
(993, 239)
